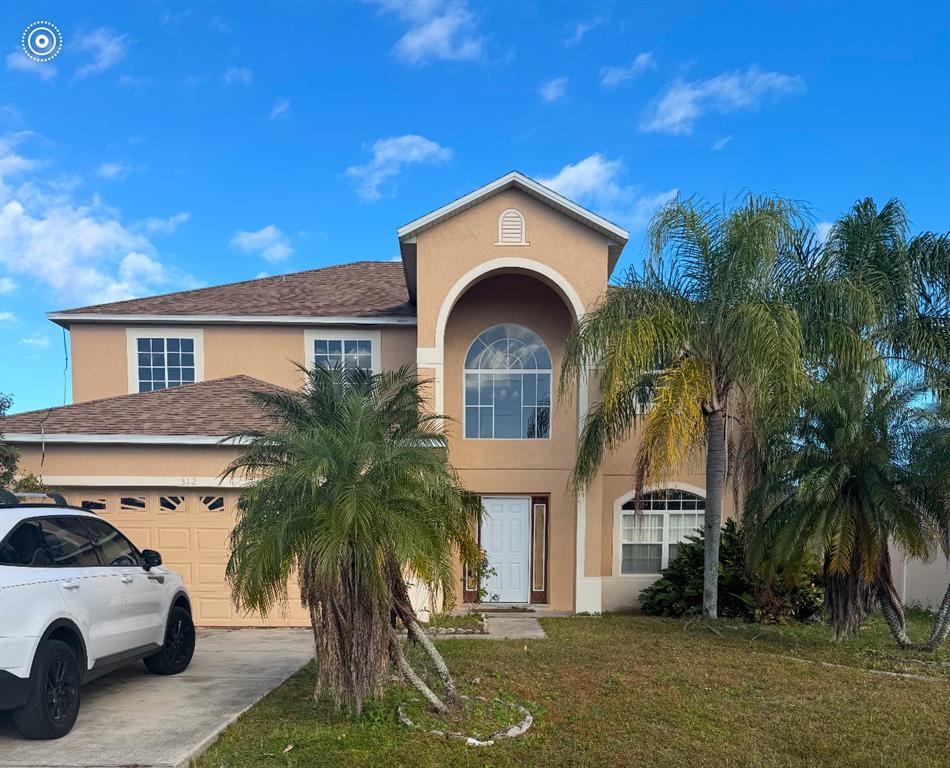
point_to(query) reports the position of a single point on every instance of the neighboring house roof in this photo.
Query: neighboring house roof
(199, 413)
(364, 291)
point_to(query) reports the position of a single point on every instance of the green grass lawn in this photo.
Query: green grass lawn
(636, 691)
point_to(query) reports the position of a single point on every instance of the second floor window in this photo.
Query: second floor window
(346, 353)
(165, 362)
(508, 385)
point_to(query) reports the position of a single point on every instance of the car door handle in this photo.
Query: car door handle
(126, 579)
(69, 584)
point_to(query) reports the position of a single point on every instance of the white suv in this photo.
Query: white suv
(78, 600)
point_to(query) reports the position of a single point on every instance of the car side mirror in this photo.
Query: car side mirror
(150, 559)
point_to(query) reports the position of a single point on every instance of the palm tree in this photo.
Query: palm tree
(875, 308)
(844, 481)
(703, 337)
(871, 295)
(351, 491)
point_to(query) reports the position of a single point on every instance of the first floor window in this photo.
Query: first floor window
(165, 362)
(345, 353)
(650, 537)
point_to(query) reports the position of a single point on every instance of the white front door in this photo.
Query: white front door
(506, 539)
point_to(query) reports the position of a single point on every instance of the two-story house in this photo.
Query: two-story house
(480, 303)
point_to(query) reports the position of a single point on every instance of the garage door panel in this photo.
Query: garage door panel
(141, 537)
(177, 538)
(212, 539)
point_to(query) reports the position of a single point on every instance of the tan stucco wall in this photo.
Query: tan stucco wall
(125, 460)
(449, 250)
(269, 353)
(99, 361)
(517, 467)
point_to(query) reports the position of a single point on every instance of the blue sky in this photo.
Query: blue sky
(176, 145)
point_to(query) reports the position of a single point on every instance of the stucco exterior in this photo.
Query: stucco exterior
(463, 283)
(267, 352)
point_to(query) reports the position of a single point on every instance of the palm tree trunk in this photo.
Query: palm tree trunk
(402, 664)
(941, 625)
(712, 524)
(418, 634)
(890, 603)
(406, 614)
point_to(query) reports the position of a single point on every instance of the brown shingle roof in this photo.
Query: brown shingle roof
(360, 289)
(215, 408)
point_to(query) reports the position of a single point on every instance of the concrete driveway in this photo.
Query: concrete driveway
(133, 718)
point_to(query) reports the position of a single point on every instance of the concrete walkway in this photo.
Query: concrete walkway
(133, 718)
(516, 626)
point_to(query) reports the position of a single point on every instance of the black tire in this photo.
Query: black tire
(179, 646)
(53, 706)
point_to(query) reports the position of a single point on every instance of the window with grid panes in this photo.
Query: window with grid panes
(650, 537)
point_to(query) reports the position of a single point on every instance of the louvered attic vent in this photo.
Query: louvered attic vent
(511, 228)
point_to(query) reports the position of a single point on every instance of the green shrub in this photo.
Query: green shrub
(742, 595)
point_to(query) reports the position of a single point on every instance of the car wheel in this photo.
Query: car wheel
(179, 647)
(53, 706)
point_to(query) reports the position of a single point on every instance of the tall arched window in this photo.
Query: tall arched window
(508, 384)
(650, 537)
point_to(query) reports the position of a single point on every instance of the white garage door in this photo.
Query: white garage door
(190, 529)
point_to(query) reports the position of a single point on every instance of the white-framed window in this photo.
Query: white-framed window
(161, 358)
(511, 230)
(349, 349)
(507, 379)
(650, 537)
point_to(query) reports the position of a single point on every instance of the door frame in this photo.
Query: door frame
(539, 504)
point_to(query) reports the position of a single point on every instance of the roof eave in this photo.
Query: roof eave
(65, 319)
(120, 439)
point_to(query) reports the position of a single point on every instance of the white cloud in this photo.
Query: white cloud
(220, 25)
(270, 242)
(135, 81)
(438, 30)
(7, 317)
(580, 29)
(238, 75)
(37, 341)
(114, 170)
(553, 90)
(168, 17)
(683, 103)
(12, 163)
(390, 157)
(722, 143)
(78, 248)
(107, 47)
(597, 183)
(155, 225)
(18, 62)
(612, 77)
(7, 285)
(280, 109)
(823, 229)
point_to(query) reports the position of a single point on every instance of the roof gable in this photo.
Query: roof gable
(517, 180)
